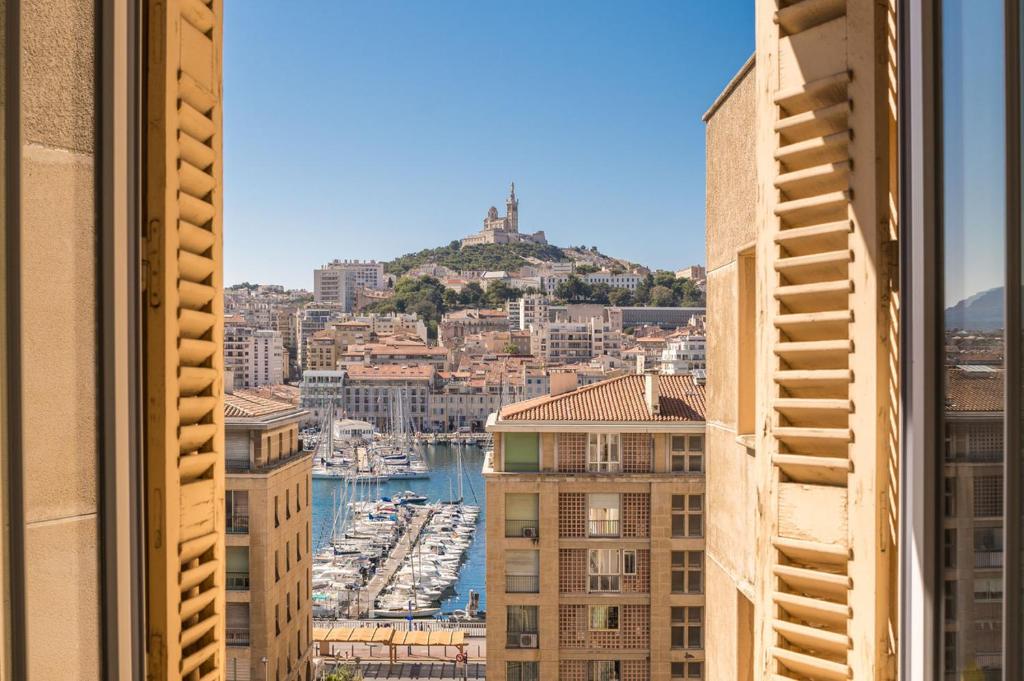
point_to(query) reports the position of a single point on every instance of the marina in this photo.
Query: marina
(383, 544)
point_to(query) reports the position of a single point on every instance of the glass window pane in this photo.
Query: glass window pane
(973, 225)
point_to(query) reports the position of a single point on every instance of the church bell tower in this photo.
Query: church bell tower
(512, 209)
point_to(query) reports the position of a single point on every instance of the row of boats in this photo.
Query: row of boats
(431, 568)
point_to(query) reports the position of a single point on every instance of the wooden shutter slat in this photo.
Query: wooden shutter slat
(190, 607)
(194, 123)
(192, 409)
(195, 152)
(198, 630)
(194, 295)
(195, 210)
(194, 94)
(198, 14)
(194, 181)
(192, 239)
(194, 380)
(196, 465)
(194, 267)
(196, 435)
(193, 577)
(195, 324)
(192, 662)
(193, 548)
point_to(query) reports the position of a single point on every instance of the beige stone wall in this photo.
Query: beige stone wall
(269, 541)
(59, 348)
(731, 472)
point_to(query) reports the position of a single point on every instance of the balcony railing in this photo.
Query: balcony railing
(238, 581)
(521, 639)
(522, 528)
(603, 528)
(237, 636)
(522, 584)
(238, 524)
(988, 559)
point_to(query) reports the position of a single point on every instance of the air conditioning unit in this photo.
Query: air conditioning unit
(530, 532)
(527, 640)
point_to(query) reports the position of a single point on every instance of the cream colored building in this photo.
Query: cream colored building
(802, 351)
(595, 533)
(268, 520)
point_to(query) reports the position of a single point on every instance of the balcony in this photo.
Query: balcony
(237, 636)
(522, 639)
(522, 584)
(238, 581)
(988, 559)
(238, 524)
(522, 528)
(603, 528)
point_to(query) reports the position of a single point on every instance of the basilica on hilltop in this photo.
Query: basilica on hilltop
(504, 230)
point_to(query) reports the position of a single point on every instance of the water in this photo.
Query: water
(441, 486)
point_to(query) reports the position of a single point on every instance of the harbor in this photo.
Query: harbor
(409, 541)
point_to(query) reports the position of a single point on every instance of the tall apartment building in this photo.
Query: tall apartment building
(320, 389)
(268, 518)
(255, 357)
(308, 321)
(595, 534)
(337, 281)
(683, 355)
(530, 309)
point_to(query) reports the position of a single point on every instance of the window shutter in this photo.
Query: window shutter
(182, 268)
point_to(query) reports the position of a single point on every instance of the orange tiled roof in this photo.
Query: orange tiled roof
(974, 391)
(243, 403)
(617, 399)
(393, 371)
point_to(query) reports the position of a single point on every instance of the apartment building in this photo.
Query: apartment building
(337, 281)
(571, 342)
(268, 552)
(604, 487)
(321, 352)
(390, 397)
(393, 352)
(255, 357)
(530, 309)
(684, 354)
(455, 326)
(309, 320)
(320, 389)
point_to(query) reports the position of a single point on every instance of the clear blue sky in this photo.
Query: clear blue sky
(371, 129)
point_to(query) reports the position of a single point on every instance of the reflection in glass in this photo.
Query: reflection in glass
(973, 237)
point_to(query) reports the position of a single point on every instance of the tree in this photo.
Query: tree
(346, 673)
(472, 295)
(664, 278)
(499, 292)
(586, 268)
(620, 297)
(600, 293)
(450, 298)
(573, 289)
(662, 296)
(510, 349)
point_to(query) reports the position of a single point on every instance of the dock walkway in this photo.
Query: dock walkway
(421, 514)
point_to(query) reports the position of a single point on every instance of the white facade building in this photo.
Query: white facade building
(319, 388)
(626, 280)
(255, 357)
(337, 281)
(684, 355)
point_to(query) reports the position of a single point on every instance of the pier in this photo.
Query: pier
(421, 514)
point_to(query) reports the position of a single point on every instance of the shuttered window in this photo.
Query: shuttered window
(182, 278)
(522, 452)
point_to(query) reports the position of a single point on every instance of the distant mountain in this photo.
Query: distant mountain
(980, 312)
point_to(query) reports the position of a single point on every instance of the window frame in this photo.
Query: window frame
(613, 578)
(599, 453)
(591, 609)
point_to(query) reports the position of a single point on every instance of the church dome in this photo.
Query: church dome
(493, 212)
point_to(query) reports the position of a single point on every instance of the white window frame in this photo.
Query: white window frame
(612, 674)
(617, 519)
(604, 453)
(604, 575)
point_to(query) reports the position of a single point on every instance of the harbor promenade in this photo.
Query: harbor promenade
(368, 595)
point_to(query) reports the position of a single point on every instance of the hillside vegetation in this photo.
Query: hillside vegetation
(482, 257)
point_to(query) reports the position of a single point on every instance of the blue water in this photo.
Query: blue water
(441, 486)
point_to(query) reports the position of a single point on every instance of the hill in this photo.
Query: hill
(980, 312)
(482, 257)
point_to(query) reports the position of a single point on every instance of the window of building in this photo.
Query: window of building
(685, 671)
(949, 497)
(746, 329)
(287, 556)
(522, 671)
(687, 453)
(277, 565)
(604, 617)
(603, 670)
(949, 601)
(687, 623)
(237, 621)
(604, 453)
(237, 560)
(603, 570)
(298, 547)
(629, 562)
(988, 496)
(988, 548)
(521, 452)
(522, 571)
(277, 512)
(287, 504)
(988, 589)
(603, 515)
(521, 623)
(687, 515)
(237, 511)
(298, 506)
(687, 572)
(949, 548)
(522, 515)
